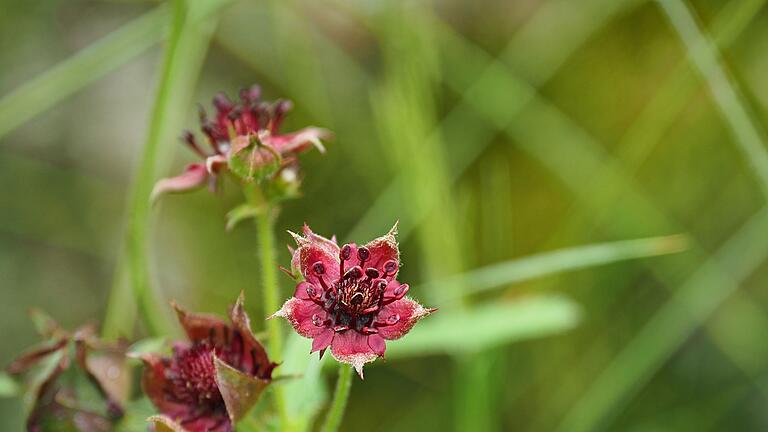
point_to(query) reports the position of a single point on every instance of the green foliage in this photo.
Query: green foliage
(487, 326)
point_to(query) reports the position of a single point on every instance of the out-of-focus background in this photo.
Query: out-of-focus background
(493, 130)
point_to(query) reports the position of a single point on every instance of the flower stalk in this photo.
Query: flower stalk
(340, 396)
(265, 232)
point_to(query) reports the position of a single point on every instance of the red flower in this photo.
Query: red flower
(210, 382)
(350, 299)
(244, 138)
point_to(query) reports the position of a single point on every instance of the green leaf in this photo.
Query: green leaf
(240, 213)
(148, 346)
(485, 326)
(306, 394)
(549, 263)
(8, 386)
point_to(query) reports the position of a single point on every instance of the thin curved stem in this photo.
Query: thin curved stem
(340, 396)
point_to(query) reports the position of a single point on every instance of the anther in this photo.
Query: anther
(311, 292)
(363, 253)
(401, 290)
(354, 273)
(393, 319)
(316, 320)
(390, 267)
(344, 254)
(318, 268)
(372, 273)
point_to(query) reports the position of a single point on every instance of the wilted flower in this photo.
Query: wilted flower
(66, 404)
(244, 138)
(350, 299)
(210, 382)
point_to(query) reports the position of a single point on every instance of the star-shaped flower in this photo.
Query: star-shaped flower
(350, 299)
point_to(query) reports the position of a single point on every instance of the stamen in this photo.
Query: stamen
(401, 290)
(363, 254)
(344, 254)
(390, 268)
(318, 268)
(368, 330)
(316, 320)
(372, 273)
(189, 138)
(340, 328)
(354, 273)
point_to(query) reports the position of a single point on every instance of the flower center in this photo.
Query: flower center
(193, 376)
(356, 298)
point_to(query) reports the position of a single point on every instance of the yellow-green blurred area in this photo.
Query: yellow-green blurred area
(493, 130)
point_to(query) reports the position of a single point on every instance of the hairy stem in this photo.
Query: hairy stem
(271, 297)
(340, 396)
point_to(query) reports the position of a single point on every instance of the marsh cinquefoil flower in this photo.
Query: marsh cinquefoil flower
(210, 382)
(350, 299)
(244, 137)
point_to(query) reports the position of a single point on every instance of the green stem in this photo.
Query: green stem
(271, 292)
(340, 396)
(134, 261)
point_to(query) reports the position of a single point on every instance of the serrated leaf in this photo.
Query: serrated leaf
(485, 326)
(240, 213)
(240, 391)
(8, 386)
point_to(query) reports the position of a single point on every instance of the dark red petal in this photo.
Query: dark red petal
(202, 327)
(377, 344)
(299, 141)
(301, 290)
(323, 340)
(312, 249)
(156, 386)
(383, 249)
(194, 176)
(409, 312)
(299, 313)
(254, 359)
(352, 347)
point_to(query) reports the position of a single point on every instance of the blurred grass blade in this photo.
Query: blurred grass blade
(306, 394)
(704, 55)
(183, 60)
(487, 326)
(8, 386)
(549, 263)
(88, 65)
(670, 326)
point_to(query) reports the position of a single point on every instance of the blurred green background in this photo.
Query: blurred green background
(493, 130)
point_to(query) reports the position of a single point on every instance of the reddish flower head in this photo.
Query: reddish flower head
(350, 299)
(211, 381)
(244, 138)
